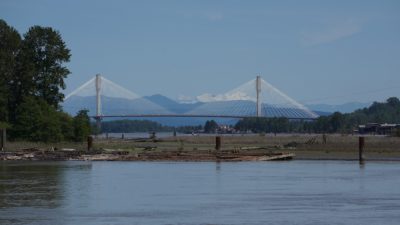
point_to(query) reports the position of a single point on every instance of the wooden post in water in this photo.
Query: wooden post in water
(324, 138)
(218, 143)
(361, 143)
(3, 139)
(89, 143)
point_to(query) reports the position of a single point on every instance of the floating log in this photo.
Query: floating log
(279, 156)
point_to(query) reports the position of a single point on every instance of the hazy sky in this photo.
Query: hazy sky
(314, 51)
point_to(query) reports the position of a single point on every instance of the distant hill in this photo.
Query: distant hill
(378, 112)
(320, 113)
(343, 108)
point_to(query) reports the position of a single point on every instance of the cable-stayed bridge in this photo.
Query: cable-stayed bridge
(255, 98)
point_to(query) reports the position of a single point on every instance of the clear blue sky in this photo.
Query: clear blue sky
(311, 50)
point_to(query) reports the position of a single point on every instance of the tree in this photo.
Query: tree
(336, 121)
(210, 126)
(81, 125)
(393, 102)
(28, 116)
(66, 126)
(40, 70)
(9, 44)
(32, 74)
(37, 121)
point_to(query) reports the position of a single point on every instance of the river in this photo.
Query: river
(294, 192)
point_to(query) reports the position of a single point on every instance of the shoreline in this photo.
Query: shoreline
(203, 148)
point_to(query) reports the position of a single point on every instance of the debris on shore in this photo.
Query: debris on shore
(118, 155)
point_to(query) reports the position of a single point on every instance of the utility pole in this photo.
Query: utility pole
(98, 102)
(258, 91)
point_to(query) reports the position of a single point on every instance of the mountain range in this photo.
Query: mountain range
(343, 108)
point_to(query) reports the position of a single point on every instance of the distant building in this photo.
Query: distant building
(226, 129)
(376, 128)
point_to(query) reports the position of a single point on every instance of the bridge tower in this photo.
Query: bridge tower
(258, 91)
(98, 102)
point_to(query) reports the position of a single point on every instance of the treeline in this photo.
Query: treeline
(32, 73)
(131, 126)
(267, 125)
(386, 112)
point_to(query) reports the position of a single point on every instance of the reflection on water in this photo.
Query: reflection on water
(26, 185)
(27, 188)
(296, 192)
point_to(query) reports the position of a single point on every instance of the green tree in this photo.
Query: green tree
(9, 45)
(336, 121)
(393, 102)
(32, 74)
(28, 117)
(40, 70)
(81, 124)
(37, 121)
(66, 126)
(210, 126)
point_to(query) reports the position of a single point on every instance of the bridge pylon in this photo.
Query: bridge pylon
(258, 92)
(98, 103)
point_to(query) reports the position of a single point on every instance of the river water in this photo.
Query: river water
(294, 192)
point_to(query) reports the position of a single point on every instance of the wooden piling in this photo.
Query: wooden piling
(3, 139)
(218, 143)
(361, 144)
(89, 143)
